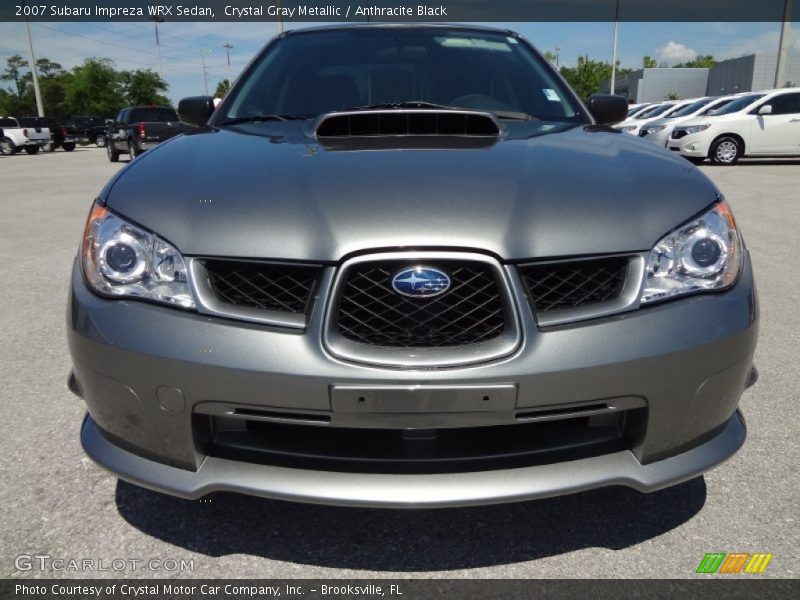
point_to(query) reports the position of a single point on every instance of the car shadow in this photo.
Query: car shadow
(758, 162)
(409, 540)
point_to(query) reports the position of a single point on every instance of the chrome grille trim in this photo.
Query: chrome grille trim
(423, 357)
(628, 298)
(209, 303)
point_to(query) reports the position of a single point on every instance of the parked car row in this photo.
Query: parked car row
(32, 134)
(722, 128)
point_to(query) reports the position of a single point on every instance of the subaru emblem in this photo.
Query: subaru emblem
(421, 282)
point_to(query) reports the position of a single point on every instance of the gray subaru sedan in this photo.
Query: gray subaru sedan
(405, 266)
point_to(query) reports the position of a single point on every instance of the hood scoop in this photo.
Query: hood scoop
(414, 129)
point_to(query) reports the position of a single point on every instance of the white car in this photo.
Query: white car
(762, 124)
(634, 110)
(658, 131)
(662, 109)
(16, 137)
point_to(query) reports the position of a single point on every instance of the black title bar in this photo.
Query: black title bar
(400, 10)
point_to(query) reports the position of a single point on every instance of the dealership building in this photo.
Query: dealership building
(752, 72)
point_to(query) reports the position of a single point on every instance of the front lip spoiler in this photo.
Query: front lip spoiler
(413, 491)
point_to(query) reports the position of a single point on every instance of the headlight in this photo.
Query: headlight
(656, 129)
(628, 128)
(695, 129)
(121, 259)
(703, 255)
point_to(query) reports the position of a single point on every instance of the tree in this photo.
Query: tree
(95, 88)
(673, 96)
(222, 88)
(550, 56)
(586, 76)
(143, 86)
(648, 62)
(14, 72)
(704, 61)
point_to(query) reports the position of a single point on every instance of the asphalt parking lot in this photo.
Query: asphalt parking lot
(55, 501)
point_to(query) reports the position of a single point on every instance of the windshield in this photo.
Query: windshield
(8, 122)
(655, 111)
(306, 74)
(737, 105)
(636, 109)
(713, 108)
(690, 109)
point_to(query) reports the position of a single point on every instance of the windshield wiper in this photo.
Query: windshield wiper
(400, 105)
(260, 118)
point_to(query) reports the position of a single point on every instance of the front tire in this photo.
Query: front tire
(69, 147)
(726, 151)
(8, 147)
(113, 153)
(31, 149)
(100, 141)
(132, 150)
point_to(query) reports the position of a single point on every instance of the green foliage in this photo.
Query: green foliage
(585, 77)
(142, 87)
(549, 56)
(704, 61)
(222, 88)
(94, 88)
(648, 62)
(15, 66)
(673, 96)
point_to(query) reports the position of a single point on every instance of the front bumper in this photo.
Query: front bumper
(146, 370)
(413, 491)
(694, 146)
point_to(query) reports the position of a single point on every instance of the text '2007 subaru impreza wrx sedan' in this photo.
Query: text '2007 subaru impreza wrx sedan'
(405, 266)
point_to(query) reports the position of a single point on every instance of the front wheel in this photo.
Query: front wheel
(50, 147)
(113, 153)
(7, 147)
(132, 150)
(69, 147)
(31, 149)
(725, 151)
(100, 141)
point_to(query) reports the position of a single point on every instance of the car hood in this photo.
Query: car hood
(586, 190)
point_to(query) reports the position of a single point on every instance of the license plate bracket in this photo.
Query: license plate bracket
(423, 398)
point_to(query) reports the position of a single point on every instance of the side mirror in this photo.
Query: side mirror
(608, 109)
(765, 110)
(110, 122)
(196, 110)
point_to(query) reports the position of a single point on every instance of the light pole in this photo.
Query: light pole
(557, 55)
(614, 51)
(36, 90)
(228, 47)
(205, 71)
(156, 21)
(783, 45)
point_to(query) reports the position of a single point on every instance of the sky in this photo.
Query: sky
(183, 45)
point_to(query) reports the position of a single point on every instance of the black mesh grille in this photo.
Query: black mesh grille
(267, 286)
(370, 311)
(576, 283)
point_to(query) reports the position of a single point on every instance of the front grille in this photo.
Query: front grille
(266, 286)
(555, 286)
(366, 450)
(371, 312)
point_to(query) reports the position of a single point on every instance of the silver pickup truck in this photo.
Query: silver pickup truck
(15, 137)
